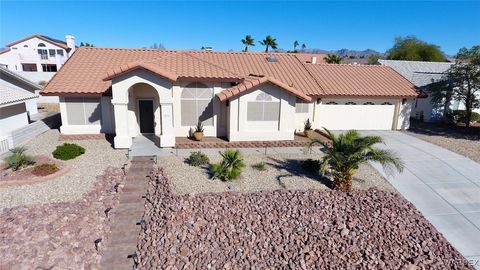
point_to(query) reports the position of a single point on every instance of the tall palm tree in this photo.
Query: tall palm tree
(269, 41)
(347, 151)
(295, 45)
(248, 41)
(304, 46)
(333, 59)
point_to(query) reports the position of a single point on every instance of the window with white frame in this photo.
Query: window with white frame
(263, 108)
(43, 53)
(196, 104)
(60, 52)
(51, 52)
(301, 106)
(83, 111)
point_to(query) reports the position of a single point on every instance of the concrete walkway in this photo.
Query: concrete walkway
(443, 185)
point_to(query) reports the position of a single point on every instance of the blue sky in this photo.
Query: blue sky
(190, 25)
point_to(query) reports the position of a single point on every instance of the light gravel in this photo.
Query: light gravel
(71, 186)
(283, 172)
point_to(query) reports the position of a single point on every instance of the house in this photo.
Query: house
(237, 95)
(37, 57)
(11, 81)
(422, 74)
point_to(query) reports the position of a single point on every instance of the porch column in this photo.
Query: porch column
(122, 139)
(167, 136)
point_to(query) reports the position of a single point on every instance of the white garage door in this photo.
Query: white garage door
(360, 117)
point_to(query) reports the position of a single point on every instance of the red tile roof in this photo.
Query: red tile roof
(59, 43)
(90, 70)
(342, 80)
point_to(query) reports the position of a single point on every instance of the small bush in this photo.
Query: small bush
(230, 167)
(261, 166)
(197, 159)
(18, 159)
(45, 169)
(68, 151)
(461, 116)
(310, 165)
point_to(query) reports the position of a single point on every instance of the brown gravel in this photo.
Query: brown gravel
(59, 235)
(312, 229)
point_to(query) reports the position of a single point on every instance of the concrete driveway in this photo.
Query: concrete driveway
(443, 185)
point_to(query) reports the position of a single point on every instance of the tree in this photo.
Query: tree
(269, 41)
(86, 44)
(412, 49)
(304, 46)
(248, 41)
(345, 153)
(158, 46)
(295, 45)
(333, 59)
(461, 83)
(373, 59)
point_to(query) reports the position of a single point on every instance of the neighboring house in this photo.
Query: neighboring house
(11, 81)
(422, 74)
(13, 113)
(241, 96)
(37, 57)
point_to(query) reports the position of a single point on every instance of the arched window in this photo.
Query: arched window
(41, 45)
(368, 103)
(196, 104)
(386, 103)
(331, 103)
(350, 103)
(263, 108)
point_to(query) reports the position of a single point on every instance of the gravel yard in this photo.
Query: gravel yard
(284, 171)
(70, 186)
(289, 229)
(464, 144)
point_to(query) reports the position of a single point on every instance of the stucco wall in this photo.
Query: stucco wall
(11, 83)
(12, 117)
(240, 129)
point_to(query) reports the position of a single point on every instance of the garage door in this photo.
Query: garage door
(360, 117)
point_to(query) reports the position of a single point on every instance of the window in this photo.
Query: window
(368, 103)
(386, 103)
(25, 46)
(264, 108)
(51, 52)
(83, 111)
(350, 103)
(196, 104)
(60, 52)
(49, 67)
(43, 53)
(301, 106)
(29, 67)
(331, 103)
(41, 45)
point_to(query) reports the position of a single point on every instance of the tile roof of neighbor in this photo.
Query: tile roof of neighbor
(18, 77)
(88, 70)
(59, 43)
(14, 95)
(417, 72)
(361, 80)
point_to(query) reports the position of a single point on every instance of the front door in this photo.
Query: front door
(145, 111)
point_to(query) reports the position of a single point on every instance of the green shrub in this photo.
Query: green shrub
(68, 151)
(461, 116)
(230, 167)
(197, 159)
(18, 159)
(45, 169)
(310, 165)
(261, 166)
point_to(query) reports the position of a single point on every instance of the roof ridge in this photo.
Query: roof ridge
(215, 65)
(309, 73)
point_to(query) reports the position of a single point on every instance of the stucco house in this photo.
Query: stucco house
(237, 95)
(11, 81)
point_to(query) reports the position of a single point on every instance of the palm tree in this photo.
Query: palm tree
(248, 41)
(269, 41)
(230, 167)
(304, 46)
(333, 59)
(345, 153)
(295, 45)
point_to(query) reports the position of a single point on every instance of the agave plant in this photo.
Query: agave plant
(199, 127)
(345, 153)
(230, 167)
(18, 159)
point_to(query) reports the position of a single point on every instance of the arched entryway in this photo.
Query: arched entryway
(143, 110)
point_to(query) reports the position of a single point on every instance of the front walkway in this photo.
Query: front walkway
(443, 185)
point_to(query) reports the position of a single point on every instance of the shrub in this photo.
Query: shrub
(18, 159)
(68, 151)
(197, 159)
(461, 116)
(199, 127)
(311, 165)
(261, 166)
(45, 169)
(230, 167)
